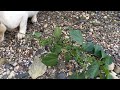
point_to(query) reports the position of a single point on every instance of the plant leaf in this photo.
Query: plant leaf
(77, 76)
(88, 47)
(56, 49)
(93, 70)
(109, 76)
(47, 41)
(57, 32)
(98, 50)
(50, 59)
(103, 54)
(108, 60)
(67, 56)
(76, 36)
(37, 34)
(105, 69)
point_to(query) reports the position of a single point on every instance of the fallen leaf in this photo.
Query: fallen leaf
(37, 68)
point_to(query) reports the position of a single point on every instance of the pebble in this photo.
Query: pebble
(8, 72)
(98, 78)
(111, 66)
(15, 63)
(89, 39)
(16, 68)
(61, 75)
(114, 75)
(45, 25)
(22, 75)
(4, 76)
(8, 66)
(87, 16)
(91, 29)
(70, 73)
(12, 74)
(4, 73)
(105, 17)
(117, 69)
(1, 76)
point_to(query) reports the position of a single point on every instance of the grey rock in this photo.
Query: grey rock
(5, 77)
(61, 75)
(89, 39)
(8, 66)
(22, 76)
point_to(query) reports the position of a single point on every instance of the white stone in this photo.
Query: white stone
(16, 68)
(113, 75)
(8, 72)
(111, 66)
(117, 69)
(105, 17)
(15, 64)
(12, 74)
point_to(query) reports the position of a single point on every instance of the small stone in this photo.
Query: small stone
(1, 76)
(87, 17)
(117, 69)
(61, 75)
(98, 78)
(70, 73)
(119, 53)
(45, 25)
(105, 17)
(8, 72)
(8, 66)
(111, 66)
(89, 39)
(49, 66)
(1, 71)
(2, 61)
(12, 74)
(16, 68)
(4, 73)
(81, 70)
(67, 37)
(5, 77)
(11, 62)
(15, 63)
(91, 29)
(113, 74)
(22, 75)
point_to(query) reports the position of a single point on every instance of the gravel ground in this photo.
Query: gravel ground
(103, 27)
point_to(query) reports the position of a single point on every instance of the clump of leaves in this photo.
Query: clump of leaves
(90, 56)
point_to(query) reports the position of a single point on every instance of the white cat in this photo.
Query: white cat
(13, 19)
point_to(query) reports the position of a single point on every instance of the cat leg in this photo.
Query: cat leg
(23, 27)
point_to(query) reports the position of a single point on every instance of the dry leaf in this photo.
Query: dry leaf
(37, 68)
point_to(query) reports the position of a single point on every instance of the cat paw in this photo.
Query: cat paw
(20, 36)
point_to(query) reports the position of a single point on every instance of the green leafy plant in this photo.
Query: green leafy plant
(37, 34)
(90, 56)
